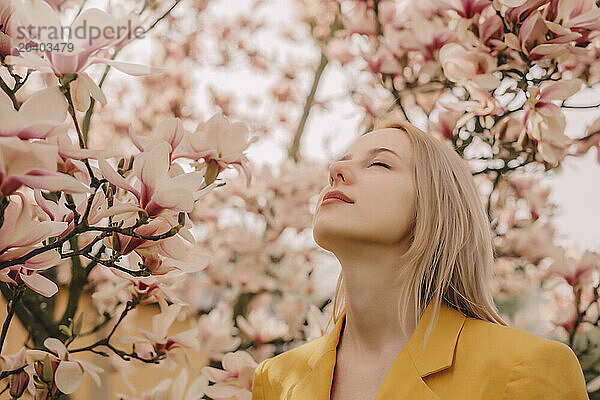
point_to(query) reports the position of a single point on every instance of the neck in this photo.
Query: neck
(371, 287)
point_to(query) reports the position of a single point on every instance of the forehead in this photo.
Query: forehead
(392, 138)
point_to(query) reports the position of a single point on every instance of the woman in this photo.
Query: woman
(414, 242)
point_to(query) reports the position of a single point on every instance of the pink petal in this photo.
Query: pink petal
(52, 181)
(560, 90)
(40, 284)
(113, 177)
(45, 260)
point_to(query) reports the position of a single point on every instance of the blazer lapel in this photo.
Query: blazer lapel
(316, 384)
(415, 362)
(405, 375)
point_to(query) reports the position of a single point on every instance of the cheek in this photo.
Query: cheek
(394, 211)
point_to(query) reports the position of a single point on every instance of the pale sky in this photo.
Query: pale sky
(575, 189)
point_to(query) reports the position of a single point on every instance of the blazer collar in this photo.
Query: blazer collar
(436, 356)
(439, 352)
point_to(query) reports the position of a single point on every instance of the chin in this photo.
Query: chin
(329, 237)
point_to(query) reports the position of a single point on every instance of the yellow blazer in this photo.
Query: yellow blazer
(465, 358)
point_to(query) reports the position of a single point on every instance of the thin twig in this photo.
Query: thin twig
(84, 228)
(106, 342)
(11, 306)
(10, 93)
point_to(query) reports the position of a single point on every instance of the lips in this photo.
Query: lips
(336, 194)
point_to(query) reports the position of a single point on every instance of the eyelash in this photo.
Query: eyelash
(380, 163)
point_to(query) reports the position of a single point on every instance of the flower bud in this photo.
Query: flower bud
(212, 170)
(18, 383)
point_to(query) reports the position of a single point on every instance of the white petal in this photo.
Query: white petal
(46, 105)
(29, 60)
(68, 376)
(56, 346)
(92, 370)
(40, 14)
(128, 68)
(178, 387)
(196, 389)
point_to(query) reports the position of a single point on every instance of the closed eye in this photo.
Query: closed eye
(382, 164)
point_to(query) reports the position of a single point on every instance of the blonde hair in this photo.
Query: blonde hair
(451, 255)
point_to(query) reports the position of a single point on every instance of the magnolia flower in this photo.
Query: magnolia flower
(75, 57)
(582, 16)
(465, 8)
(462, 64)
(8, 28)
(19, 234)
(382, 61)
(533, 242)
(157, 343)
(575, 271)
(158, 190)
(160, 256)
(18, 381)
(444, 127)
(336, 49)
(33, 165)
(234, 380)
(27, 273)
(509, 128)
(533, 38)
(169, 130)
(217, 333)
(593, 385)
(99, 210)
(593, 131)
(147, 289)
(361, 19)
(317, 323)
(481, 103)
(83, 89)
(14, 361)
(219, 140)
(512, 3)
(67, 373)
(261, 326)
(40, 116)
(545, 120)
(424, 34)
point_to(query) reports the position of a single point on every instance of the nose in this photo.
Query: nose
(337, 171)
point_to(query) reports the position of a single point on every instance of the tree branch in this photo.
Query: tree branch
(295, 147)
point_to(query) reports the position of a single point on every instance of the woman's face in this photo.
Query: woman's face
(384, 197)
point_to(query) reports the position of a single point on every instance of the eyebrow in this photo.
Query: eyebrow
(371, 152)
